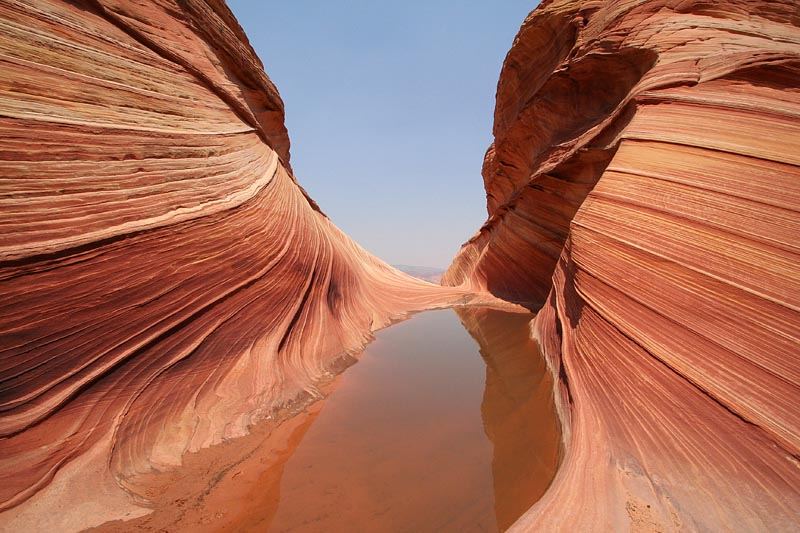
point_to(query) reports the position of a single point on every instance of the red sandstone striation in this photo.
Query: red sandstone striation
(644, 187)
(164, 281)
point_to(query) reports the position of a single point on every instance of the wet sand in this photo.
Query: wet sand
(446, 423)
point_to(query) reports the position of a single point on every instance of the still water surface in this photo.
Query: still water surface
(445, 423)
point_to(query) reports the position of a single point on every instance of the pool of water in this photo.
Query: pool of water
(445, 423)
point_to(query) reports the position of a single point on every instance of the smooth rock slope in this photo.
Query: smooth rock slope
(644, 187)
(164, 281)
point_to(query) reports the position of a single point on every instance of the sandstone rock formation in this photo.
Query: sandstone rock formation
(164, 281)
(644, 187)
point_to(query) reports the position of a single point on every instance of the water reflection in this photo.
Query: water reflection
(423, 434)
(517, 409)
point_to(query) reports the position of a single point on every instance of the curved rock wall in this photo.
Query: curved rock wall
(164, 281)
(644, 188)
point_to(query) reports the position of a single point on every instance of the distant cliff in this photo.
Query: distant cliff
(643, 186)
(432, 274)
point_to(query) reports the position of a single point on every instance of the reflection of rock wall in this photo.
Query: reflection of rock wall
(517, 410)
(163, 279)
(644, 186)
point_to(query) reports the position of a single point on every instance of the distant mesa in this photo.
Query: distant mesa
(431, 274)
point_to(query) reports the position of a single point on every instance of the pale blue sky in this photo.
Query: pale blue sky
(389, 109)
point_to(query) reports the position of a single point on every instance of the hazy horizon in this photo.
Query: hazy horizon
(389, 112)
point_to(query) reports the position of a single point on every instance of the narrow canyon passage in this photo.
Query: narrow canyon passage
(176, 310)
(445, 423)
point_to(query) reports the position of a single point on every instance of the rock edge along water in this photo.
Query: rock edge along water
(643, 191)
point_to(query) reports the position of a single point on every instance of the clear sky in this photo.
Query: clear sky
(389, 108)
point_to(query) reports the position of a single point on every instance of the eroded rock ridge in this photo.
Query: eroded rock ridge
(643, 187)
(164, 280)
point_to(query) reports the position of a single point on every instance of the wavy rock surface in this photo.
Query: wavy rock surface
(164, 281)
(644, 187)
